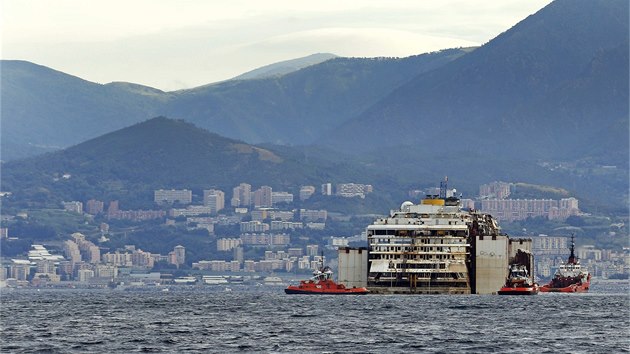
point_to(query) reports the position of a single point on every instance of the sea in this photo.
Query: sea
(268, 321)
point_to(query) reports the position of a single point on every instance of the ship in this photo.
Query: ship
(519, 282)
(442, 245)
(570, 276)
(322, 284)
(436, 247)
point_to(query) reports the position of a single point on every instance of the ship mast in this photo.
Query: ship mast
(572, 256)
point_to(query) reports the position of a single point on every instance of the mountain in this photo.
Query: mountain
(552, 87)
(161, 153)
(297, 108)
(43, 109)
(551, 91)
(285, 67)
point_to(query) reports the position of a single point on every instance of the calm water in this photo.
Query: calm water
(200, 321)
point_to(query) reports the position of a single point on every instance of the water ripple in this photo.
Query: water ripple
(105, 321)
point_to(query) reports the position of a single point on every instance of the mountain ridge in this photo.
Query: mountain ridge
(45, 107)
(529, 62)
(284, 67)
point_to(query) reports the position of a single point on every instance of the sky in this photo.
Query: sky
(172, 45)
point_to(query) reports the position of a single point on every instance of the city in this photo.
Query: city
(270, 245)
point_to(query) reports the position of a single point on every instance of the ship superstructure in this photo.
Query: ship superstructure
(570, 277)
(427, 248)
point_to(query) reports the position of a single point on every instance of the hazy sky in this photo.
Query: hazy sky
(170, 44)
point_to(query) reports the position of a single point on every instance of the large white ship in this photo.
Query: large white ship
(421, 248)
(434, 247)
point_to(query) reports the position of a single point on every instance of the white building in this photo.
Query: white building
(73, 207)
(281, 197)
(241, 195)
(182, 196)
(327, 189)
(215, 199)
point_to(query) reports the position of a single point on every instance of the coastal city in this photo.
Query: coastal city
(315, 177)
(266, 225)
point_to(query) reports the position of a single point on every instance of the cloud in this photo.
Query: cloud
(360, 42)
(181, 44)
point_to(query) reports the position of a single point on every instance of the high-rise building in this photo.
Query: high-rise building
(327, 189)
(20, 269)
(215, 199)
(94, 206)
(71, 251)
(113, 207)
(92, 253)
(140, 258)
(180, 255)
(262, 197)
(241, 195)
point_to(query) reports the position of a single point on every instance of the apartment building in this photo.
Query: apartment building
(215, 199)
(163, 196)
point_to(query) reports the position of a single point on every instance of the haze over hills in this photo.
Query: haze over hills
(43, 109)
(297, 108)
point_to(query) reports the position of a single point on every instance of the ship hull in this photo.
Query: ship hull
(532, 290)
(574, 288)
(580, 287)
(297, 291)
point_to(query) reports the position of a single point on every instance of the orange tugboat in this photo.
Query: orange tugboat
(570, 277)
(519, 282)
(322, 284)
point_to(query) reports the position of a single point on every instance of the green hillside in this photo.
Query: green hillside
(161, 153)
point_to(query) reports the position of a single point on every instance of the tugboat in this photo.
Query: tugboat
(518, 282)
(570, 277)
(322, 284)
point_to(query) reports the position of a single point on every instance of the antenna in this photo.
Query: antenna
(443, 186)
